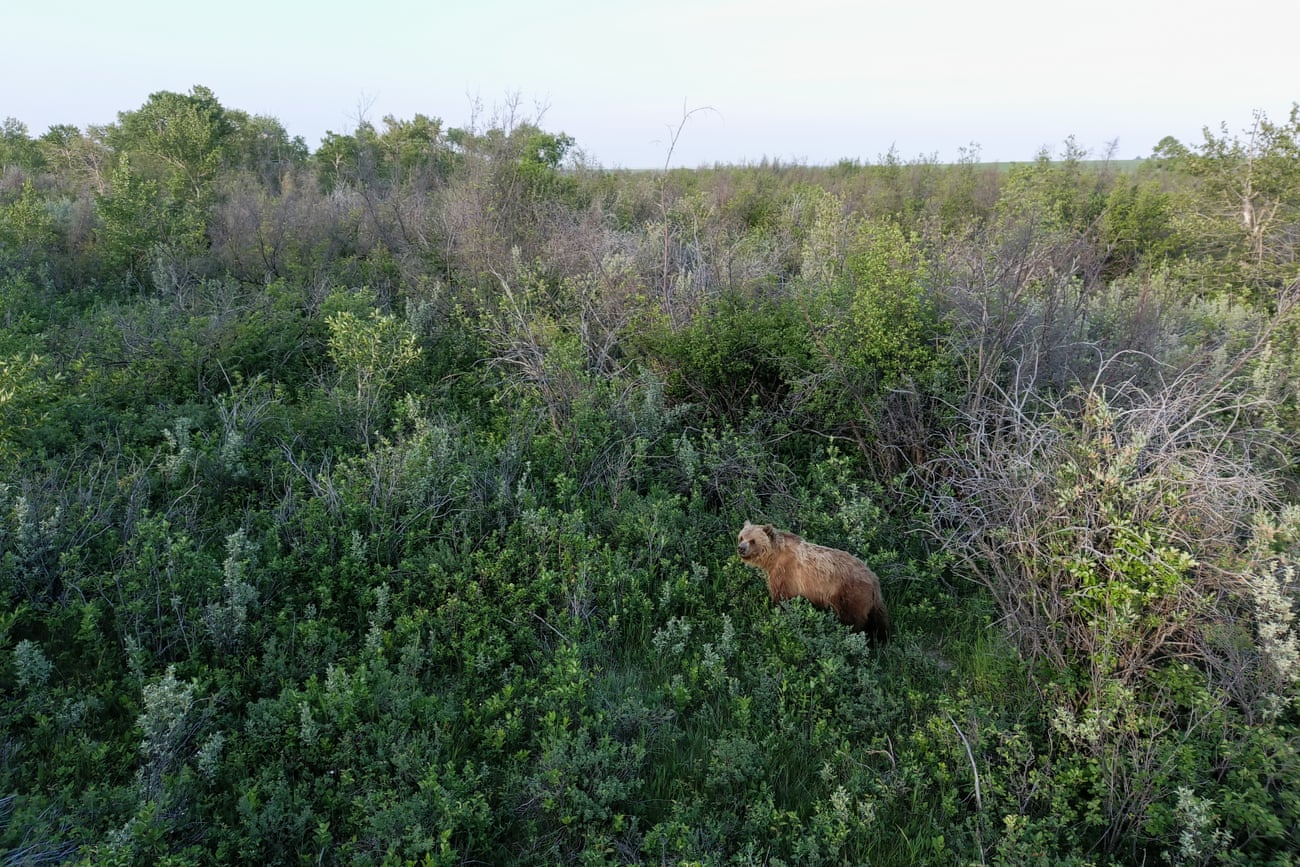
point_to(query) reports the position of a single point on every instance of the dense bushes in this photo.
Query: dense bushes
(377, 505)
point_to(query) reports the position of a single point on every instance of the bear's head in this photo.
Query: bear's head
(755, 542)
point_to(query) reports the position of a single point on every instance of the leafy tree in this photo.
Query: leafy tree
(490, 213)
(261, 145)
(348, 158)
(1060, 194)
(1138, 224)
(415, 150)
(540, 156)
(1240, 205)
(17, 149)
(77, 159)
(177, 140)
(160, 196)
(27, 230)
(405, 152)
(135, 219)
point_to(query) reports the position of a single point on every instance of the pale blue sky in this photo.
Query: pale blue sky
(806, 80)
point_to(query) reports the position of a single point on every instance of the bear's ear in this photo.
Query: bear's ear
(770, 531)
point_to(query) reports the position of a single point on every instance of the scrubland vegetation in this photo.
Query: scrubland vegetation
(376, 504)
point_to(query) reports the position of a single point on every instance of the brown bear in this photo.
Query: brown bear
(826, 577)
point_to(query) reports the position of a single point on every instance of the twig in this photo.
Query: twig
(979, 801)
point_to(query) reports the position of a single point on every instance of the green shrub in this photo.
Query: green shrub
(737, 356)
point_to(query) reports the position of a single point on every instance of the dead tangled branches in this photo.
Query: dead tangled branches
(1109, 523)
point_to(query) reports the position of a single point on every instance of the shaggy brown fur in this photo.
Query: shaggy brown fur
(828, 578)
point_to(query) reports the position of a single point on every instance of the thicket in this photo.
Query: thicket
(376, 504)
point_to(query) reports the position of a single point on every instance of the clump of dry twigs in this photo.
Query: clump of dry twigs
(1112, 523)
